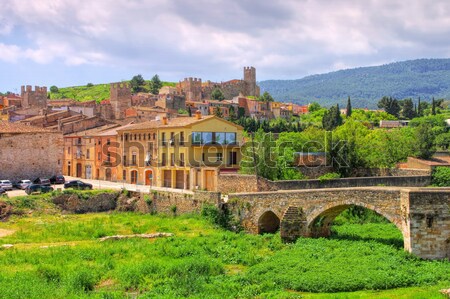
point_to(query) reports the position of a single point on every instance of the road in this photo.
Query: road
(99, 184)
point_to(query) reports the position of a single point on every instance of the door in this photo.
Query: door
(179, 179)
(134, 176)
(79, 170)
(88, 172)
(108, 174)
(209, 180)
(149, 177)
(167, 178)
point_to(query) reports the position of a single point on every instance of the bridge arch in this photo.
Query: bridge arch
(319, 221)
(268, 222)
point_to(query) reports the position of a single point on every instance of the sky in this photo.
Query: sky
(67, 42)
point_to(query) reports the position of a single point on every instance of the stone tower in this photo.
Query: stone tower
(34, 98)
(250, 81)
(120, 98)
(191, 88)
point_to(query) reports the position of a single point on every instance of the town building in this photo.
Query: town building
(28, 152)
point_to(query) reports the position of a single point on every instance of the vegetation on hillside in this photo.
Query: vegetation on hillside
(424, 78)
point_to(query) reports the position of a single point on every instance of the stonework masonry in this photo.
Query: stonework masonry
(422, 215)
(30, 155)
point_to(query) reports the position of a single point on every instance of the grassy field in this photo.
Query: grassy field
(97, 92)
(60, 256)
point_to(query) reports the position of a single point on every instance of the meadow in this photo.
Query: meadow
(60, 256)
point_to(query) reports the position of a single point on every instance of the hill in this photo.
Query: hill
(424, 78)
(98, 92)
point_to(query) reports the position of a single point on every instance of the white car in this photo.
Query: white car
(23, 184)
(5, 184)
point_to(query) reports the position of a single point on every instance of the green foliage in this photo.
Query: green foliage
(155, 84)
(441, 177)
(313, 107)
(218, 112)
(390, 105)
(422, 78)
(220, 217)
(183, 111)
(332, 118)
(348, 111)
(217, 95)
(53, 89)
(408, 111)
(137, 83)
(425, 141)
(329, 176)
(89, 85)
(173, 209)
(266, 97)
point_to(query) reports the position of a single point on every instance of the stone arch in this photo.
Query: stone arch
(268, 222)
(319, 220)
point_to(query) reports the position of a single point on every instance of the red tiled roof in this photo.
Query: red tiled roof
(13, 128)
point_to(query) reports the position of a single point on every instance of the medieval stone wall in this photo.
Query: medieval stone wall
(31, 155)
(184, 202)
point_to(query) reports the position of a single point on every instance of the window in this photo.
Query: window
(181, 138)
(207, 137)
(219, 157)
(134, 176)
(99, 156)
(126, 137)
(172, 159)
(68, 150)
(143, 136)
(139, 136)
(88, 154)
(124, 175)
(124, 160)
(220, 138)
(172, 138)
(79, 141)
(148, 159)
(163, 159)
(181, 159)
(108, 142)
(230, 138)
(108, 157)
(149, 136)
(163, 138)
(133, 158)
(196, 137)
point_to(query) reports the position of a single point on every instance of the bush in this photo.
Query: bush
(441, 177)
(54, 89)
(220, 217)
(329, 176)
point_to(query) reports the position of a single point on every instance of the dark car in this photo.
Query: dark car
(38, 188)
(77, 184)
(42, 181)
(57, 179)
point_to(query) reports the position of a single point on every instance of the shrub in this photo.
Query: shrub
(441, 177)
(220, 217)
(329, 176)
(173, 209)
(81, 281)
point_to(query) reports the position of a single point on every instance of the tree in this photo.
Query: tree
(408, 109)
(425, 141)
(419, 109)
(90, 85)
(314, 106)
(332, 118)
(137, 83)
(232, 114)
(390, 105)
(241, 112)
(217, 95)
(54, 89)
(266, 97)
(433, 107)
(349, 107)
(218, 112)
(155, 84)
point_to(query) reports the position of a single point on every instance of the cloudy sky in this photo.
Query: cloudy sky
(68, 42)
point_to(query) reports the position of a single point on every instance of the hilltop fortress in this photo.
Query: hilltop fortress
(196, 91)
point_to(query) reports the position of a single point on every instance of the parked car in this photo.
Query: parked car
(2, 191)
(22, 184)
(42, 181)
(57, 179)
(6, 184)
(77, 184)
(33, 188)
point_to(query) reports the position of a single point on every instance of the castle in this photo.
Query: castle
(196, 91)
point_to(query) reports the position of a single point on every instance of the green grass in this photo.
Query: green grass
(97, 92)
(60, 256)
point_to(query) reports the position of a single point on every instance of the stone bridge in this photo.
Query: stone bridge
(421, 214)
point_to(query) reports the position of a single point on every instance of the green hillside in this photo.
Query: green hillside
(98, 92)
(425, 78)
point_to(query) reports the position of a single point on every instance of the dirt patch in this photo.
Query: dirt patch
(6, 232)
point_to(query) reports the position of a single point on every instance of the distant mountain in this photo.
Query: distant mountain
(424, 78)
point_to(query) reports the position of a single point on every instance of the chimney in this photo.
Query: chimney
(164, 120)
(198, 114)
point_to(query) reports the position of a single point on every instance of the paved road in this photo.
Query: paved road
(99, 184)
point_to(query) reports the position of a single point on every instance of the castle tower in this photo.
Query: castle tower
(34, 98)
(192, 89)
(120, 98)
(250, 81)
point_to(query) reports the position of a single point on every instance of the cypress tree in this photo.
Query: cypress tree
(419, 109)
(349, 107)
(433, 107)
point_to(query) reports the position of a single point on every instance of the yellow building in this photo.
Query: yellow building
(182, 153)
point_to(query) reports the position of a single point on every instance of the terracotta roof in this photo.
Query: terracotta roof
(93, 132)
(113, 132)
(8, 127)
(173, 123)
